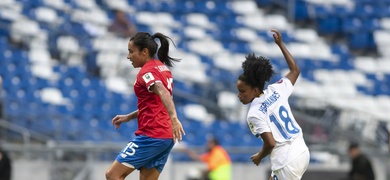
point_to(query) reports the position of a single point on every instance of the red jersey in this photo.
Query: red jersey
(153, 118)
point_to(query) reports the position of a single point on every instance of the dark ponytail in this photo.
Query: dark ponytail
(256, 71)
(162, 53)
(145, 40)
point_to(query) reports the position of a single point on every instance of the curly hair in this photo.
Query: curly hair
(256, 71)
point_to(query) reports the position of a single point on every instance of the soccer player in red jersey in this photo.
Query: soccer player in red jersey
(158, 125)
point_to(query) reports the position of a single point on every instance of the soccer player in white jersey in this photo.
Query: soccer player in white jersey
(270, 117)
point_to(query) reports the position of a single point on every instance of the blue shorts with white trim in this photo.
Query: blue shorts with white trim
(146, 152)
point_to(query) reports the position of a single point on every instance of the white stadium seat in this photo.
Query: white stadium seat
(200, 20)
(53, 96)
(198, 112)
(244, 7)
(47, 15)
(366, 64)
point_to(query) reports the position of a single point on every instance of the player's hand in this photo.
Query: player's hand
(256, 159)
(277, 36)
(119, 119)
(177, 130)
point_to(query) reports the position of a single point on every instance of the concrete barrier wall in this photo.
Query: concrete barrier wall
(41, 170)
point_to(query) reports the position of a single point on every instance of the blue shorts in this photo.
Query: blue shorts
(146, 152)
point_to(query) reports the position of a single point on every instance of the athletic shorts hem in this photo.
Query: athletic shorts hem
(128, 165)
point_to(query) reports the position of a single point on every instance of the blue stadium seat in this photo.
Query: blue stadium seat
(180, 157)
(359, 40)
(197, 132)
(194, 138)
(365, 90)
(301, 11)
(4, 45)
(44, 126)
(328, 25)
(382, 11)
(206, 7)
(371, 25)
(12, 107)
(342, 11)
(263, 2)
(4, 27)
(364, 11)
(20, 58)
(381, 88)
(350, 25)
(93, 105)
(29, 4)
(238, 46)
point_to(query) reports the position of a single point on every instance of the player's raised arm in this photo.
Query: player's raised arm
(294, 72)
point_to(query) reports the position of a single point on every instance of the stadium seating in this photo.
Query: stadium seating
(66, 76)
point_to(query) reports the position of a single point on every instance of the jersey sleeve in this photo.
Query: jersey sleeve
(258, 126)
(149, 78)
(283, 86)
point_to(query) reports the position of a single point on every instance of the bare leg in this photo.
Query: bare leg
(118, 171)
(149, 174)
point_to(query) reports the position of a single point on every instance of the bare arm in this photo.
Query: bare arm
(294, 72)
(269, 144)
(166, 98)
(119, 119)
(133, 115)
(193, 155)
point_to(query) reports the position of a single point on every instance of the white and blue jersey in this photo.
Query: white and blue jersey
(271, 113)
